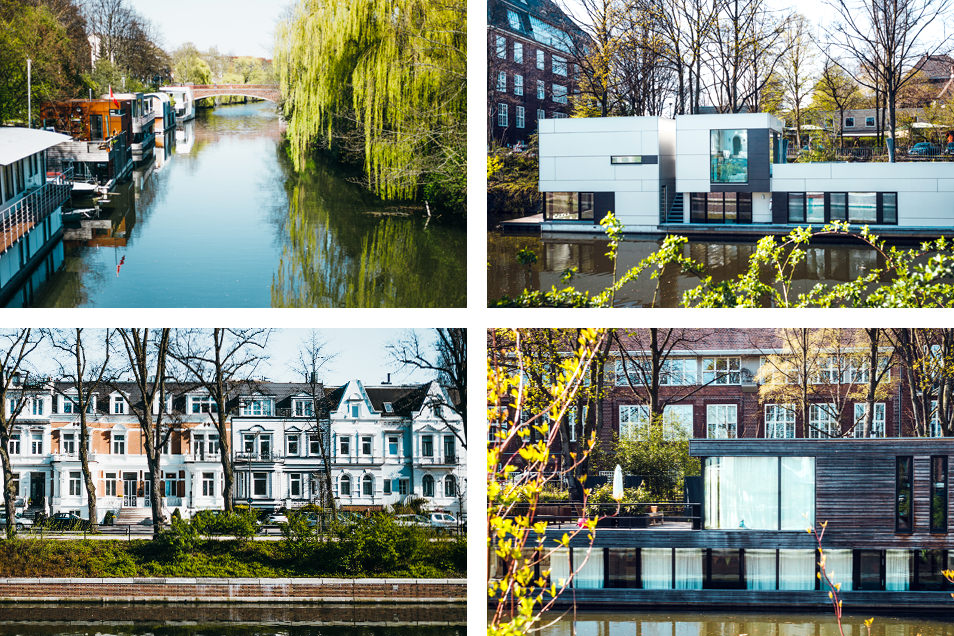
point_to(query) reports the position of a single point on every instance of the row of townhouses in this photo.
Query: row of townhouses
(387, 444)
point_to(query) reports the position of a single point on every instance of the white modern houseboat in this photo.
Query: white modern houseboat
(184, 101)
(31, 207)
(724, 172)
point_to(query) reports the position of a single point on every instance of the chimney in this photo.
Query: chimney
(388, 381)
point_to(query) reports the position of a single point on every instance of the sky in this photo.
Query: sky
(361, 354)
(235, 27)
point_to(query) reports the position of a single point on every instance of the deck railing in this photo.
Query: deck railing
(667, 514)
(19, 217)
(873, 154)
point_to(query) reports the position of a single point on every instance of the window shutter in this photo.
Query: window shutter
(180, 489)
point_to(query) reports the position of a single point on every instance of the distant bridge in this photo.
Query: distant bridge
(269, 92)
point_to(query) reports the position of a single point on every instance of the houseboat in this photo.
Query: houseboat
(31, 207)
(165, 124)
(100, 149)
(724, 173)
(184, 101)
(144, 115)
(742, 540)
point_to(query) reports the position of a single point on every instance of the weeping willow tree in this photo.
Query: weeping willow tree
(386, 80)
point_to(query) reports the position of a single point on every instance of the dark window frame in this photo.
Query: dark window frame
(880, 218)
(743, 207)
(606, 570)
(856, 569)
(739, 584)
(939, 528)
(596, 215)
(903, 522)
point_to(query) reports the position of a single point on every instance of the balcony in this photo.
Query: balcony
(204, 457)
(257, 457)
(358, 460)
(21, 216)
(436, 460)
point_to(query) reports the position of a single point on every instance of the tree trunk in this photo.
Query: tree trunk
(9, 495)
(228, 475)
(156, 498)
(87, 473)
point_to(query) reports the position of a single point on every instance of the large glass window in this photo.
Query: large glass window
(736, 499)
(863, 207)
(796, 569)
(869, 572)
(839, 569)
(760, 569)
(815, 207)
(928, 565)
(688, 573)
(724, 570)
(721, 370)
(656, 568)
(588, 564)
(889, 207)
(904, 480)
(796, 207)
(729, 156)
(838, 205)
(822, 421)
(574, 206)
(939, 494)
(897, 570)
(622, 567)
(677, 421)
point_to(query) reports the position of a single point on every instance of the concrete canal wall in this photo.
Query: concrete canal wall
(219, 590)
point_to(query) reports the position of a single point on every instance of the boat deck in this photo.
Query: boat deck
(11, 234)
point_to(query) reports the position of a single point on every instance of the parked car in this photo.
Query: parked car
(442, 521)
(411, 520)
(67, 521)
(21, 522)
(924, 149)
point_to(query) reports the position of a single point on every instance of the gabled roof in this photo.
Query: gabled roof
(936, 67)
(540, 20)
(404, 399)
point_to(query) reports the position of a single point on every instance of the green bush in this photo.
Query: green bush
(180, 539)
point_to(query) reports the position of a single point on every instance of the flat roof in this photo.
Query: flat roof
(17, 143)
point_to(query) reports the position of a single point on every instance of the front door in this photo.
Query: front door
(37, 489)
(130, 482)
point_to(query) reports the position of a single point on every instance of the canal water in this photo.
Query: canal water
(184, 619)
(639, 623)
(506, 276)
(226, 222)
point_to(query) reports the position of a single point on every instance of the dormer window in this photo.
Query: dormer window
(257, 407)
(203, 404)
(118, 405)
(355, 410)
(38, 405)
(304, 408)
(68, 404)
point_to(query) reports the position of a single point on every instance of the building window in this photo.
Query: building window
(729, 153)
(502, 81)
(208, 484)
(67, 405)
(677, 421)
(829, 371)
(518, 52)
(559, 65)
(119, 405)
(633, 421)
(110, 483)
(501, 47)
(869, 122)
(344, 486)
(260, 484)
(258, 407)
(450, 486)
(517, 85)
(722, 370)
(404, 486)
(939, 494)
(450, 449)
(37, 405)
(304, 408)
(367, 486)
(559, 94)
(386, 484)
(720, 207)
(356, 410)
(344, 444)
(392, 445)
(904, 480)
(541, 94)
(427, 445)
(15, 444)
(541, 114)
(314, 444)
(521, 117)
(823, 421)
(204, 404)
(291, 445)
(889, 208)
(68, 444)
(119, 443)
(721, 421)
(541, 63)
(366, 445)
(863, 207)
(780, 421)
(576, 206)
(75, 487)
(781, 498)
(849, 122)
(678, 372)
(36, 443)
(877, 420)
(514, 20)
(427, 486)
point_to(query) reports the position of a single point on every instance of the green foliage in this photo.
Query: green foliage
(190, 67)
(660, 462)
(180, 539)
(553, 495)
(109, 518)
(385, 80)
(241, 523)
(915, 277)
(413, 506)
(512, 181)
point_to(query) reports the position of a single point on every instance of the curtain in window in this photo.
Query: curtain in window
(589, 575)
(897, 566)
(688, 568)
(688, 629)
(760, 569)
(798, 493)
(838, 566)
(560, 566)
(657, 568)
(735, 500)
(796, 569)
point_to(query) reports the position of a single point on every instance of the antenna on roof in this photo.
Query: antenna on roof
(388, 381)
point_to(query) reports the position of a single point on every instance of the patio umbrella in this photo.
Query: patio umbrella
(618, 483)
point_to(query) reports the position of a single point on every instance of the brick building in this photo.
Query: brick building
(531, 48)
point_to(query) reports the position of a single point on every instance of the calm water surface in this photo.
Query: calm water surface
(225, 222)
(727, 624)
(506, 276)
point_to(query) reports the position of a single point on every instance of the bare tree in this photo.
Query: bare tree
(16, 384)
(146, 357)
(837, 91)
(927, 360)
(218, 361)
(84, 381)
(112, 23)
(795, 68)
(448, 361)
(312, 356)
(886, 37)
(878, 368)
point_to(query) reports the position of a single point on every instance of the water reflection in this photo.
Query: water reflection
(827, 263)
(724, 624)
(222, 221)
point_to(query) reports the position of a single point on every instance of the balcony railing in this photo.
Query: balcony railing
(436, 460)
(358, 459)
(21, 216)
(258, 457)
(930, 152)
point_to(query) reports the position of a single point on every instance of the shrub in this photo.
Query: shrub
(180, 539)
